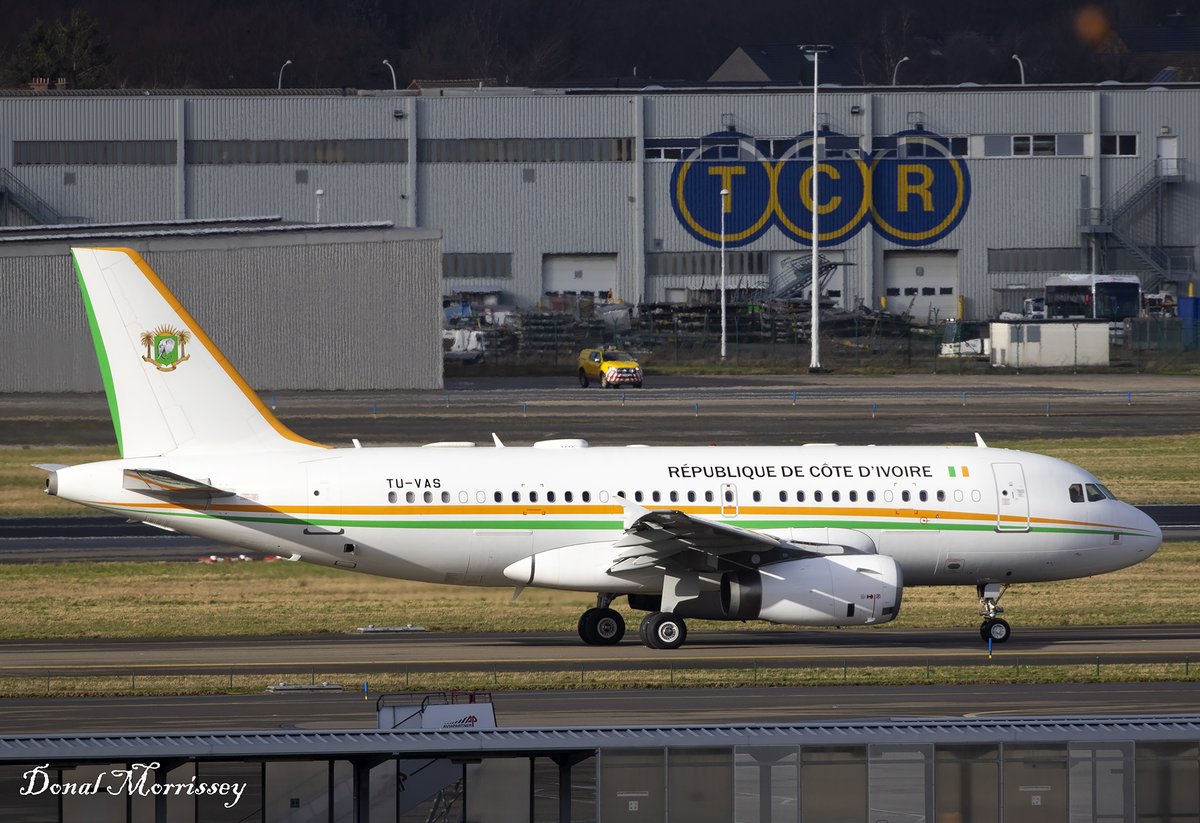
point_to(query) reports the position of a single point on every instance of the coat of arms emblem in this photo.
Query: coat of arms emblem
(165, 347)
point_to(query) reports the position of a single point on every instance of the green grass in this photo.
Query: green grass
(75, 600)
(664, 676)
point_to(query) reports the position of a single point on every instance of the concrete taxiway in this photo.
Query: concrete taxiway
(606, 708)
(506, 652)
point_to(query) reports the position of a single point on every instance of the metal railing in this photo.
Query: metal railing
(26, 199)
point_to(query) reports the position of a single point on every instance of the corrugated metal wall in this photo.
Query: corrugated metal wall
(340, 312)
(533, 209)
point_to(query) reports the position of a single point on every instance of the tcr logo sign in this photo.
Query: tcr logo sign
(913, 195)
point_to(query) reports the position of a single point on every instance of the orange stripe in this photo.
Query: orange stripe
(195, 328)
(473, 510)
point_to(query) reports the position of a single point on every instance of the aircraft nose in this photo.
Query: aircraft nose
(1151, 537)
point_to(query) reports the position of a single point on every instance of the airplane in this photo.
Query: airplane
(815, 535)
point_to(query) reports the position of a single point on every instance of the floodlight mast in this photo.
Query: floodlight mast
(814, 52)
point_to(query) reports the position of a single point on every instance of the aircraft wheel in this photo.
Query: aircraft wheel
(996, 630)
(663, 630)
(583, 379)
(601, 627)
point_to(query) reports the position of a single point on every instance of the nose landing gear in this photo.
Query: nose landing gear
(993, 628)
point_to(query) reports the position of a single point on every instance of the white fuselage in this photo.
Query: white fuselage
(947, 515)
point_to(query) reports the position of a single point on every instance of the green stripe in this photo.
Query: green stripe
(614, 525)
(101, 356)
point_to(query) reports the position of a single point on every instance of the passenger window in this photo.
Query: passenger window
(1076, 492)
(816, 497)
(905, 496)
(757, 496)
(783, 497)
(835, 496)
(800, 497)
(393, 497)
(1093, 493)
(871, 497)
(516, 496)
(728, 496)
(853, 497)
(655, 496)
(637, 495)
(498, 497)
(887, 495)
(428, 497)
(586, 497)
(924, 495)
(691, 497)
(445, 497)
(674, 497)
(549, 497)
(410, 497)
(568, 496)
(941, 496)
(480, 497)
(708, 497)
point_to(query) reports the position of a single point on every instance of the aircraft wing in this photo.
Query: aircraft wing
(161, 481)
(665, 535)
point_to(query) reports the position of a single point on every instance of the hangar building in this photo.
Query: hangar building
(293, 306)
(940, 201)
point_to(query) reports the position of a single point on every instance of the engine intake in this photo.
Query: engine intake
(841, 590)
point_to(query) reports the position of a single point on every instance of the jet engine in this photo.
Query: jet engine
(839, 590)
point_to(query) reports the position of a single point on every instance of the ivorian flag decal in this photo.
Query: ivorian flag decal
(958, 471)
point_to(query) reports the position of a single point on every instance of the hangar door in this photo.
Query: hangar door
(578, 273)
(923, 284)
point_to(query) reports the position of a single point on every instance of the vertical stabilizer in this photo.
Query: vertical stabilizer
(170, 390)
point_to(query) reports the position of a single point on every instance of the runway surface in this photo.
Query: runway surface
(605, 708)
(500, 652)
(725, 410)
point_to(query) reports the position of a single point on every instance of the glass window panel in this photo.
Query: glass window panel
(1035, 783)
(498, 790)
(966, 783)
(1070, 145)
(900, 783)
(211, 808)
(297, 791)
(1167, 782)
(997, 145)
(699, 785)
(632, 785)
(766, 784)
(833, 783)
(1044, 144)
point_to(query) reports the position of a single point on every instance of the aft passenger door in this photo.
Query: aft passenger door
(1012, 499)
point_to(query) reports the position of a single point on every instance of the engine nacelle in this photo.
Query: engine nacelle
(840, 590)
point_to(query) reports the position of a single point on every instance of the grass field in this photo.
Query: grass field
(76, 600)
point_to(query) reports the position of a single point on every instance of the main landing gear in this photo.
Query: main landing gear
(602, 626)
(993, 628)
(662, 630)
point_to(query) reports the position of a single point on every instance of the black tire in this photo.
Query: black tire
(583, 379)
(601, 627)
(996, 630)
(663, 630)
(638, 384)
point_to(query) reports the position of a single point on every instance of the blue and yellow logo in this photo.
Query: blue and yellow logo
(914, 192)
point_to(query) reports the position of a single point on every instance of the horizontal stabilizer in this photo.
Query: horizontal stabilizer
(160, 481)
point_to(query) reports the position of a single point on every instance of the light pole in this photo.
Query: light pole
(814, 53)
(897, 68)
(279, 84)
(393, 71)
(319, 193)
(724, 205)
(1022, 67)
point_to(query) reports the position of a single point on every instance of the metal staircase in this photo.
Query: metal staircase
(1133, 213)
(15, 193)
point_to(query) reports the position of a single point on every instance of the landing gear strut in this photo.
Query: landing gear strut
(993, 628)
(602, 626)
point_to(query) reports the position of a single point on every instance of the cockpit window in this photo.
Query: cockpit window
(1094, 493)
(1076, 492)
(1104, 489)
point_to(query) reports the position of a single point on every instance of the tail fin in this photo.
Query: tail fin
(169, 388)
